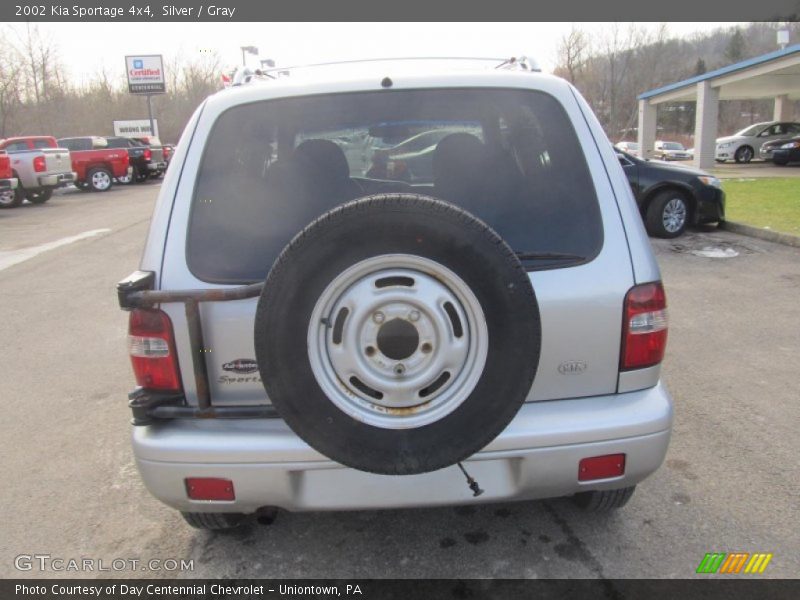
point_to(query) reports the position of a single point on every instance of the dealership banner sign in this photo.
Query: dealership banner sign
(145, 74)
(135, 128)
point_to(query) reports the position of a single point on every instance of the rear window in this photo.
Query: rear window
(510, 157)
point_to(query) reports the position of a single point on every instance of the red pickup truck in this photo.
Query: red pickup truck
(8, 183)
(95, 163)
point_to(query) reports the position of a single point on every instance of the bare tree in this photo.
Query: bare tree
(573, 50)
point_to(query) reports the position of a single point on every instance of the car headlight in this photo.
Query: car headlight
(708, 180)
(725, 145)
(791, 145)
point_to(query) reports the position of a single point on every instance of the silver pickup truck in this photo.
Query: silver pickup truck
(39, 165)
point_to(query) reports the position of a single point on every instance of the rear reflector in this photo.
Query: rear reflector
(644, 327)
(152, 349)
(209, 488)
(601, 467)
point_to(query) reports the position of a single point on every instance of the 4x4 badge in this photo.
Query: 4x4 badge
(572, 367)
(241, 365)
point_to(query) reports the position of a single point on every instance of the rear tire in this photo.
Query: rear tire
(601, 501)
(139, 176)
(667, 214)
(11, 198)
(214, 521)
(39, 196)
(99, 179)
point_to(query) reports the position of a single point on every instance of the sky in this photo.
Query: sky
(86, 48)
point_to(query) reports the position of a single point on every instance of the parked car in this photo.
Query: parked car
(629, 147)
(671, 197)
(671, 151)
(8, 183)
(503, 320)
(768, 148)
(140, 157)
(156, 164)
(742, 145)
(95, 164)
(39, 166)
(787, 153)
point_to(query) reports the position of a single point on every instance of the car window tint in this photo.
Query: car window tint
(511, 157)
(42, 143)
(17, 146)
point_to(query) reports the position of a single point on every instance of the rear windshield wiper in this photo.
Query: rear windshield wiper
(549, 256)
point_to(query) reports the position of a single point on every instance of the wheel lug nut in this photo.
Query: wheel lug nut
(413, 315)
(378, 317)
(370, 351)
(399, 369)
(426, 348)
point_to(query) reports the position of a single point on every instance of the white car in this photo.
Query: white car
(742, 146)
(671, 151)
(629, 147)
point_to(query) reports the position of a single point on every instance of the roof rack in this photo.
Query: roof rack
(244, 75)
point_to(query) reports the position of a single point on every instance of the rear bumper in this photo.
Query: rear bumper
(57, 179)
(156, 166)
(8, 184)
(535, 457)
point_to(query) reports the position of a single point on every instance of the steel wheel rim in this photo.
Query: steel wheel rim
(348, 341)
(7, 197)
(674, 215)
(101, 180)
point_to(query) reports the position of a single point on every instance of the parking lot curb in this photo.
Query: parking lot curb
(786, 239)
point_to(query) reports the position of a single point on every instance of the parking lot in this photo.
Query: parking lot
(731, 481)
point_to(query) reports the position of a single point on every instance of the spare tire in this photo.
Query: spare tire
(397, 334)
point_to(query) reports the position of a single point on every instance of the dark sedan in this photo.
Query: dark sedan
(670, 197)
(782, 152)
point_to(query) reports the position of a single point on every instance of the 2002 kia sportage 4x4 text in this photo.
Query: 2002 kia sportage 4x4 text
(364, 282)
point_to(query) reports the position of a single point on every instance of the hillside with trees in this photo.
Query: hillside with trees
(612, 69)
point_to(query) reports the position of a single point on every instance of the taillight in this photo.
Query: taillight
(39, 164)
(147, 154)
(644, 329)
(152, 348)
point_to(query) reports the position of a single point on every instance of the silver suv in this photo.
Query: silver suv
(327, 318)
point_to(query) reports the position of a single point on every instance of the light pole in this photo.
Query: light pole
(249, 50)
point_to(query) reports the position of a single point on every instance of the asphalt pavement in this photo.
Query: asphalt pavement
(731, 481)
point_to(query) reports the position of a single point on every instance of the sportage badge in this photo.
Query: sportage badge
(241, 365)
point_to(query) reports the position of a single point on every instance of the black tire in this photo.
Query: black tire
(600, 501)
(82, 186)
(39, 196)
(125, 179)
(744, 155)
(139, 176)
(214, 521)
(12, 198)
(100, 179)
(156, 174)
(656, 218)
(418, 226)
(720, 160)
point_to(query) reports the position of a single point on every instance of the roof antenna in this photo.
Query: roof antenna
(473, 485)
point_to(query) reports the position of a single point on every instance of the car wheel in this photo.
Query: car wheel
(405, 351)
(139, 176)
(667, 214)
(214, 521)
(99, 179)
(39, 196)
(743, 155)
(599, 501)
(125, 179)
(11, 198)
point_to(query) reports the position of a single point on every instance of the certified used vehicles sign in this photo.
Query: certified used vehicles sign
(145, 74)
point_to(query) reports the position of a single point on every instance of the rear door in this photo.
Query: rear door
(550, 195)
